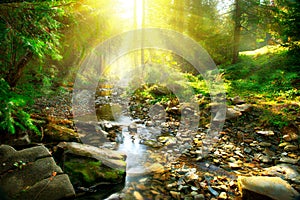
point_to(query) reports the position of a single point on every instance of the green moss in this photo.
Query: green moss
(91, 172)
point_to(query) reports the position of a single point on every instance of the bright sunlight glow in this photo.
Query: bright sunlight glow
(131, 8)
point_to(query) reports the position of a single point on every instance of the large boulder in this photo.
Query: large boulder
(32, 174)
(266, 188)
(88, 165)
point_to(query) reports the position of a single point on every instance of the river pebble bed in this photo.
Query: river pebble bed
(166, 162)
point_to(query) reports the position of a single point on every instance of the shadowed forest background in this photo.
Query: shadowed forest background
(254, 43)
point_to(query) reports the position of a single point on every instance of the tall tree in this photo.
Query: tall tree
(237, 31)
(287, 18)
(27, 30)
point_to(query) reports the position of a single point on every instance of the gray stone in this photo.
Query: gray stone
(266, 133)
(89, 166)
(32, 174)
(132, 128)
(284, 171)
(265, 159)
(288, 160)
(267, 187)
(265, 144)
(231, 113)
(222, 195)
(237, 100)
(199, 197)
(108, 157)
(9, 156)
(57, 187)
(243, 107)
(290, 147)
(247, 150)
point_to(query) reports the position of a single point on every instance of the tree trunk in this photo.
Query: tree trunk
(13, 76)
(237, 32)
(143, 35)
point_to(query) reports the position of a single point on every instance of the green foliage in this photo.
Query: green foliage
(19, 164)
(269, 71)
(272, 119)
(12, 114)
(28, 30)
(287, 15)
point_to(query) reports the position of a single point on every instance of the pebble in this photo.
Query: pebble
(265, 144)
(287, 138)
(175, 195)
(137, 195)
(266, 133)
(222, 195)
(199, 197)
(265, 159)
(288, 160)
(247, 150)
(214, 192)
(234, 165)
(283, 144)
(290, 147)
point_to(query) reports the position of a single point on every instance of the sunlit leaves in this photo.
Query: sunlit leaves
(12, 114)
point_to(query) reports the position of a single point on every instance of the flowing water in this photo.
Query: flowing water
(129, 142)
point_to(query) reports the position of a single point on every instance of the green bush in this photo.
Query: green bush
(12, 114)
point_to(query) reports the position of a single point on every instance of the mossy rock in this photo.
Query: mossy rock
(88, 172)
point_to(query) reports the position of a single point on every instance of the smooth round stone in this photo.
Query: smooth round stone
(290, 147)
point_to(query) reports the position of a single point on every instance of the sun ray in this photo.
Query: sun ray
(132, 10)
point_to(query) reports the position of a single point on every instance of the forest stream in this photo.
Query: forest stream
(151, 174)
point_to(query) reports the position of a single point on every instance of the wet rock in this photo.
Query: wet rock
(199, 197)
(229, 146)
(108, 157)
(93, 168)
(284, 144)
(265, 159)
(137, 195)
(284, 171)
(288, 160)
(247, 150)
(237, 100)
(290, 147)
(212, 191)
(292, 131)
(175, 195)
(156, 168)
(55, 132)
(235, 165)
(287, 138)
(152, 143)
(167, 140)
(191, 175)
(232, 113)
(265, 144)
(243, 107)
(261, 187)
(25, 173)
(132, 128)
(222, 195)
(266, 133)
